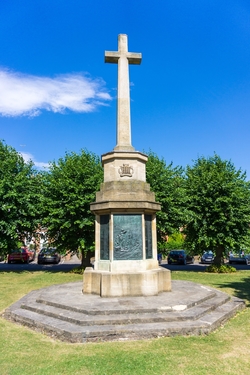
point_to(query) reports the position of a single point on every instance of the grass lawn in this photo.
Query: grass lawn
(225, 351)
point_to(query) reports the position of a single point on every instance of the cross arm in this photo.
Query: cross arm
(111, 57)
(134, 58)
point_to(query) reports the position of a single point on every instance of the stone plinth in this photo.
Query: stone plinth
(122, 284)
(125, 232)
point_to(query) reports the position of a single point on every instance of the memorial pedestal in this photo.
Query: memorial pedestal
(122, 284)
(125, 232)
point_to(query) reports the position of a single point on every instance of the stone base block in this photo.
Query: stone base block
(121, 284)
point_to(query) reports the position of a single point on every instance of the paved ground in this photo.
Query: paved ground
(63, 312)
(66, 265)
(63, 266)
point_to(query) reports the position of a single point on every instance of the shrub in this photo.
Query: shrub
(223, 268)
(79, 270)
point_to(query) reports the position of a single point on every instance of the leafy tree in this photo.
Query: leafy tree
(70, 187)
(175, 241)
(19, 198)
(219, 201)
(168, 184)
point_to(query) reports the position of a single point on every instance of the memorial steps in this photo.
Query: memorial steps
(64, 313)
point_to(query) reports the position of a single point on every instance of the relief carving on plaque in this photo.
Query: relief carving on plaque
(127, 237)
(126, 170)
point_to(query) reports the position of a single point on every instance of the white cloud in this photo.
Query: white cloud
(27, 157)
(27, 95)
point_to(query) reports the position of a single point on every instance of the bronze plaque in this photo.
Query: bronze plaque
(127, 237)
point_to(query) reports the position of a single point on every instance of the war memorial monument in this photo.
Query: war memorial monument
(125, 209)
(126, 296)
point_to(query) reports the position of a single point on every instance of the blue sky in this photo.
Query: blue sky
(190, 96)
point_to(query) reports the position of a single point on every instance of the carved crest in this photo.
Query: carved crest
(126, 170)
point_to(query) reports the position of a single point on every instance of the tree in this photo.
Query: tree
(219, 202)
(70, 187)
(168, 184)
(19, 198)
(176, 241)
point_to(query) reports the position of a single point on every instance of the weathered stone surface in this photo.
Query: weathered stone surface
(122, 284)
(124, 206)
(93, 281)
(113, 163)
(63, 312)
(120, 191)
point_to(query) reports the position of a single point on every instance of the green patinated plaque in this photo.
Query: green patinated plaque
(127, 237)
(104, 237)
(148, 236)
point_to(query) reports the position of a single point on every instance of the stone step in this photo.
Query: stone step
(63, 312)
(69, 297)
(80, 318)
(70, 332)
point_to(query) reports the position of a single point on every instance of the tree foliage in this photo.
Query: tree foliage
(175, 241)
(19, 198)
(70, 187)
(219, 202)
(167, 182)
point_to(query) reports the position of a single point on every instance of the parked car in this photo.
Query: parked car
(159, 257)
(239, 258)
(179, 257)
(207, 257)
(21, 255)
(48, 255)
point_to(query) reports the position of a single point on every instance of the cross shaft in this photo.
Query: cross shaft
(123, 58)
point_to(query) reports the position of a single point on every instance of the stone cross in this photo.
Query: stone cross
(123, 58)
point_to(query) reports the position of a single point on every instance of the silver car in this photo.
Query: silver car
(207, 257)
(48, 255)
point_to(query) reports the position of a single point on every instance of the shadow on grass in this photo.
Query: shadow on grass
(241, 288)
(180, 267)
(198, 267)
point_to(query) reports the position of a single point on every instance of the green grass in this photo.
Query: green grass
(225, 351)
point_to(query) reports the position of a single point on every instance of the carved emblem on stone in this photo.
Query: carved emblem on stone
(126, 170)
